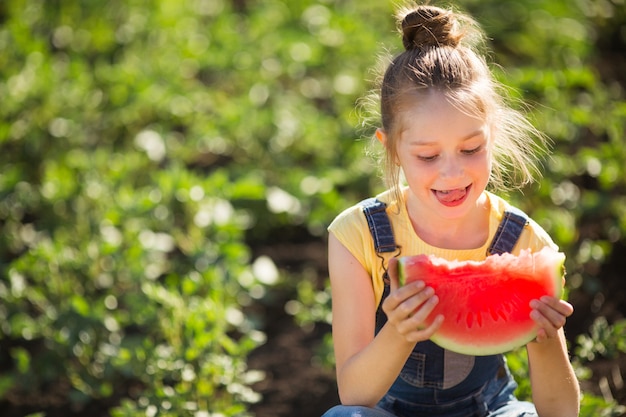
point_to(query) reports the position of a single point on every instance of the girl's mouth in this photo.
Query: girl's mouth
(452, 198)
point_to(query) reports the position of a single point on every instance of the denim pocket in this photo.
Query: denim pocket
(414, 372)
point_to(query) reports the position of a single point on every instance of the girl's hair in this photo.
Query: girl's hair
(442, 53)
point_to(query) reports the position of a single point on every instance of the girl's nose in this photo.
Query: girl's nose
(451, 167)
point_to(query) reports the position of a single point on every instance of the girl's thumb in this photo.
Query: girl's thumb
(392, 270)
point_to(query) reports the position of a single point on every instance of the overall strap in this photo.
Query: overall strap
(384, 242)
(510, 229)
(378, 222)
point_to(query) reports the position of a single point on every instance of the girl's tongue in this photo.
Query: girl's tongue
(451, 196)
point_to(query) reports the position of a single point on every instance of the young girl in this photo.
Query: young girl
(447, 129)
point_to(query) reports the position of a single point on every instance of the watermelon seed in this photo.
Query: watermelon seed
(493, 313)
(469, 320)
(502, 314)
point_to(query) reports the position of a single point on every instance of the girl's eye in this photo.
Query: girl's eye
(471, 151)
(427, 158)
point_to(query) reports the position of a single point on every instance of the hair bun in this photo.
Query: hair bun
(429, 26)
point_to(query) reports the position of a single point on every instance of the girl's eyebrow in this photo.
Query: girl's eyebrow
(418, 142)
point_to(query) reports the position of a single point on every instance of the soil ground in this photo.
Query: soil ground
(294, 385)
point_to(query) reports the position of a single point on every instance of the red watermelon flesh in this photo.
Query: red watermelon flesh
(486, 304)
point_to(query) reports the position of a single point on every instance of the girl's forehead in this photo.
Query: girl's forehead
(437, 113)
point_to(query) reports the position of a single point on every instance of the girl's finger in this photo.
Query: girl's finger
(420, 315)
(406, 300)
(562, 306)
(553, 311)
(400, 295)
(425, 333)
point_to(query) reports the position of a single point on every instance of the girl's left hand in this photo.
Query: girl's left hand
(550, 314)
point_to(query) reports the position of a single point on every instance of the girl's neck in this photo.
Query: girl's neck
(467, 232)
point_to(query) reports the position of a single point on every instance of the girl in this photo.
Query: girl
(447, 129)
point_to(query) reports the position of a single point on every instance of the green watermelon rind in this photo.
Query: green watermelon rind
(547, 255)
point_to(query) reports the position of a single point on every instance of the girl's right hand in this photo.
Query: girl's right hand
(408, 306)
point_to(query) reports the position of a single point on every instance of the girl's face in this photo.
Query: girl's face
(445, 155)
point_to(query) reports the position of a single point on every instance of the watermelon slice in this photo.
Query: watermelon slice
(486, 304)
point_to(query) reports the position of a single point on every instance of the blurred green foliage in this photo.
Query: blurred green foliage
(148, 147)
(603, 341)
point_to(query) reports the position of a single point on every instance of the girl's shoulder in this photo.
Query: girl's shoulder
(352, 217)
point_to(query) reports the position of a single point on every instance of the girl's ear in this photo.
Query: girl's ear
(381, 136)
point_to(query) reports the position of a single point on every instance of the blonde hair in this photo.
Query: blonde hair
(442, 52)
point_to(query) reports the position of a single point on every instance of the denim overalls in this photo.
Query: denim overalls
(435, 381)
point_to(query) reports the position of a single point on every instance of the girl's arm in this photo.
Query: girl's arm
(368, 365)
(554, 384)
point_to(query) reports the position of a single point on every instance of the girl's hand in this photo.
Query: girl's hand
(550, 314)
(408, 306)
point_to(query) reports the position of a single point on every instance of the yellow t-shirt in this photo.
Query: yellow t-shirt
(351, 229)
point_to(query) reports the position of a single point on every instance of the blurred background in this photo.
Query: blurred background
(168, 169)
